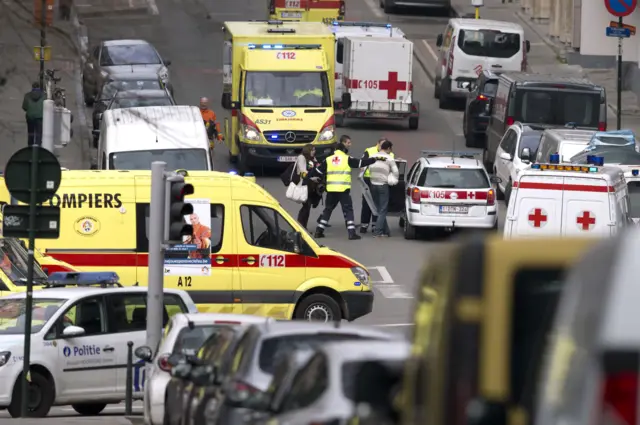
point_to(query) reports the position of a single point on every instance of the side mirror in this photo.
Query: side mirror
(202, 375)
(346, 100)
(167, 62)
(72, 331)
(495, 179)
(525, 155)
(181, 371)
(144, 353)
(505, 156)
(297, 242)
(225, 102)
(439, 40)
(99, 116)
(527, 45)
(175, 359)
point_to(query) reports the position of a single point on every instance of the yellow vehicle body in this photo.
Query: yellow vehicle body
(325, 11)
(471, 342)
(282, 61)
(103, 227)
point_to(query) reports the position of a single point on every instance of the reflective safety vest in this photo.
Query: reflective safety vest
(300, 93)
(251, 98)
(338, 172)
(373, 151)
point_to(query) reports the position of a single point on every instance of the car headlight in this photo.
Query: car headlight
(250, 133)
(327, 133)
(163, 74)
(4, 357)
(361, 274)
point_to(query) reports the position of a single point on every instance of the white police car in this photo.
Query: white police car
(78, 342)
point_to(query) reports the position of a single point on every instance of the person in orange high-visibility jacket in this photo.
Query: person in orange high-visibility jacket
(209, 118)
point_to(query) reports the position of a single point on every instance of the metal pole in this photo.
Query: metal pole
(619, 105)
(48, 124)
(156, 255)
(43, 40)
(29, 301)
(477, 13)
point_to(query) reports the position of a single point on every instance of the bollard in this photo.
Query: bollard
(128, 406)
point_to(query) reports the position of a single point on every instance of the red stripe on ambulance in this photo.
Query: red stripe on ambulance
(561, 186)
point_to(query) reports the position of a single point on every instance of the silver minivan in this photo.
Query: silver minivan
(566, 142)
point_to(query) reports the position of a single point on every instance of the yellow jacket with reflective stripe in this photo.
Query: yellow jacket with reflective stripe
(338, 172)
(372, 151)
(300, 93)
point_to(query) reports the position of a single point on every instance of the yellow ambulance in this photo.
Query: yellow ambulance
(326, 11)
(253, 257)
(278, 84)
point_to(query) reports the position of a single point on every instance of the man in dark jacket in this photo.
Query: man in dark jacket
(32, 106)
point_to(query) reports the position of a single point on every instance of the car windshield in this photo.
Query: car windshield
(287, 89)
(274, 347)
(490, 88)
(568, 150)
(489, 43)
(190, 340)
(530, 141)
(134, 102)
(454, 178)
(112, 87)
(634, 199)
(13, 317)
(176, 159)
(557, 107)
(14, 263)
(131, 54)
(350, 371)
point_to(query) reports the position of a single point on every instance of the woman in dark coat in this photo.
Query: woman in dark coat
(304, 163)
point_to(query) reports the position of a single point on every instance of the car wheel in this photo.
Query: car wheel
(443, 101)
(413, 123)
(41, 396)
(409, 230)
(401, 221)
(89, 409)
(318, 308)
(166, 418)
(381, 3)
(485, 160)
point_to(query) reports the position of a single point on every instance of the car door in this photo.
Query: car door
(396, 192)
(505, 147)
(87, 361)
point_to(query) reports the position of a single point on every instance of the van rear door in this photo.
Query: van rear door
(586, 207)
(557, 105)
(538, 205)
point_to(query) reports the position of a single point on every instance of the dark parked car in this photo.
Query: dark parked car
(477, 109)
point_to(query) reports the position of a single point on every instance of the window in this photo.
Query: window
(634, 199)
(340, 51)
(489, 43)
(308, 385)
(412, 171)
(128, 312)
(132, 54)
(530, 141)
(88, 314)
(454, 178)
(509, 141)
(217, 227)
(176, 159)
(13, 318)
(287, 89)
(490, 88)
(266, 228)
(111, 87)
(557, 107)
(243, 347)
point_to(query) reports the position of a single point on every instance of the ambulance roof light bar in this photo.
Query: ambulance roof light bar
(361, 24)
(565, 167)
(102, 279)
(284, 46)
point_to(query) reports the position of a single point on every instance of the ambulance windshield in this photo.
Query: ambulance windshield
(287, 89)
(14, 263)
(176, 159)
(12, 314)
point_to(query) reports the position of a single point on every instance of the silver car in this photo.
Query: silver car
(116, 57)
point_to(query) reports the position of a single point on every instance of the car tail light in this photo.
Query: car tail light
(241, 391)
(491, 197)
(163, 363)
(343, 9)
(510, 120)
(482, 97)
(415, 195)
(272, 7)
(620, 396)
(602, 126)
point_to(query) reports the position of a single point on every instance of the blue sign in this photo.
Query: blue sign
(620, 8)
(618, 32)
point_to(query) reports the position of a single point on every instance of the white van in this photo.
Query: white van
(554, 199)
(470, 46)
(132, 138)
(566, 142)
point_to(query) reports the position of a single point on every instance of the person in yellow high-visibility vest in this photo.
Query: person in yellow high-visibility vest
(337, 169)
(366, 216)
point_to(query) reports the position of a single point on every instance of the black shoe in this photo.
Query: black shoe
(363, 230)
(354, 237)
(318, 235)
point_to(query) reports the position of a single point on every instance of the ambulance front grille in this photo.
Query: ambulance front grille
(290, 136)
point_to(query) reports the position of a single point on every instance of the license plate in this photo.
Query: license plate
(287, 159)
(291, 15)
(453, 209)
(377, 114)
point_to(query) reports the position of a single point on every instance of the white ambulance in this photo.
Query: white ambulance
(556, 199)
(632, 177)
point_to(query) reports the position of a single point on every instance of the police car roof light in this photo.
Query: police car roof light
(635, 173)
(590, 159)
(554, 158)
(249, 175)
(598, 161)
(535, 166)
(459, 154)
(234, 172)
(103, 279)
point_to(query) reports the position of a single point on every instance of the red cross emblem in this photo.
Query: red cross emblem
(336, 160)
(392, 85)
(471, 195)
(586, 221)
(537, 217)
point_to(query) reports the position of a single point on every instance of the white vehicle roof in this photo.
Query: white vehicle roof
(444, 159)
(366, 29)
(155, 127)
(479, 24)
(125, 42)
(346, 351)
(71, 292)
(610, 174)
(571, 134)
(182, 319)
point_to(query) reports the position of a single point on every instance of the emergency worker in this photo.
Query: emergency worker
(312, 93)
(337, 169)
(210, 121)
(366, 216)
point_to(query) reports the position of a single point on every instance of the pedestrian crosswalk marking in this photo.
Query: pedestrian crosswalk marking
(382, 282)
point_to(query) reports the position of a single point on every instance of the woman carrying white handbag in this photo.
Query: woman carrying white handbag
(383, 174)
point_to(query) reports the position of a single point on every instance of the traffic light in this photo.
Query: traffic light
(175, 225)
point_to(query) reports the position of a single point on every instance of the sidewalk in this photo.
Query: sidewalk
(547, 56)
(18, 36)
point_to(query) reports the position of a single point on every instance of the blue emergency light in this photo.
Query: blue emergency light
(535, 166)
(635, 173)
(83, 279)
(249, 175)
(598, 161)
(554, 158)
(283, 46)
(234, 172)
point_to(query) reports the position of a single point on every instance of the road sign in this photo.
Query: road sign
(15, 222)
(42, 52)
(17, 175)
(618, 32)
(615, 24)
(621, 8)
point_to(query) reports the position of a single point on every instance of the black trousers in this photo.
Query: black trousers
(303, 214)
(34, 130)
(331, 202)
(366, 216)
